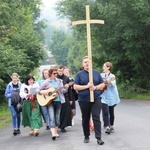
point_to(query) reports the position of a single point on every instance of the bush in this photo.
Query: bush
(133, 92)
(5, 116)
(2, 90)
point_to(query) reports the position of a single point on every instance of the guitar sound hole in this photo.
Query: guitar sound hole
(50, 93)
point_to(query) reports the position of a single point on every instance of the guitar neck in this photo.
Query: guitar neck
(59, 88)
(70, 83)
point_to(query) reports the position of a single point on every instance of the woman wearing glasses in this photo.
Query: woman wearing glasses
(54, 85)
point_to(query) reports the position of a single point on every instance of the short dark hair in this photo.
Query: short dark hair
(30, 76)
(60, 67)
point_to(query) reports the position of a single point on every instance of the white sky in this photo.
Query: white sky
(48, 8)
(49, 13)
(49, 3)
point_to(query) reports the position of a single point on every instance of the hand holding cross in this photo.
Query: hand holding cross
(88, 22)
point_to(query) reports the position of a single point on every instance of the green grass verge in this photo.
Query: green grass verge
(5, 115)
(133, 95)
(131, 92)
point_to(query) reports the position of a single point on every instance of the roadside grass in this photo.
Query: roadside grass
(131, 92)
(137, 96)
(5, 115)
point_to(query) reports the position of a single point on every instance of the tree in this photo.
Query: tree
(21, 38)
(126, 39)
(123, 40)
(59, 47)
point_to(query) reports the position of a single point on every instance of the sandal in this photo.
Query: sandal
(36, 133)
(31, 133)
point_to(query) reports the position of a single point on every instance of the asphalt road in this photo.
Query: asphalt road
(132, 132)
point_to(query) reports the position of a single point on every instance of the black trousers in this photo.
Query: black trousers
(65, 115)
(108, 115)
(88, 108)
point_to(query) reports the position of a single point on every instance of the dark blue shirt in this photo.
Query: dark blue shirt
(82, 78)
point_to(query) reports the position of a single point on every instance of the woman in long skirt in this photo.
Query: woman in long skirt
(31, 115)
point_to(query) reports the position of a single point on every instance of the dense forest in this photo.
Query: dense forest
(21, 39)
(123, 39)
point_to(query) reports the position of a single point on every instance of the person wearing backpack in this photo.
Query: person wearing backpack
(14, 85)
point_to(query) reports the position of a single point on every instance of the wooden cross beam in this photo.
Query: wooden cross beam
(88, 22)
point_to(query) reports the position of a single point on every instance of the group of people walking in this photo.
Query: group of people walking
(59, 112)
(56, 115)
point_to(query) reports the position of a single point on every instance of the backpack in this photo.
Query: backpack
(15, 98)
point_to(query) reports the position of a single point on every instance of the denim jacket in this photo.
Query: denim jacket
(9, 90)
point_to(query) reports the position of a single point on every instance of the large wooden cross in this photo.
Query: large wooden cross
(88, 22)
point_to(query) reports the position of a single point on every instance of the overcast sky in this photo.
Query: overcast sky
(49, 13)
(48, 9)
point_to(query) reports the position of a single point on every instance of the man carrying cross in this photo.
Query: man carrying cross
(88, 83)
(83, 86)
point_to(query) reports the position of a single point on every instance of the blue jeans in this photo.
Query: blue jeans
(16, 117)
(46, 115)
(54, 110)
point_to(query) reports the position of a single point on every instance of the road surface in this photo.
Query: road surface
(132, 132)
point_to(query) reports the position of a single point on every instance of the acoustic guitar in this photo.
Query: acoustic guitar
(45, 100)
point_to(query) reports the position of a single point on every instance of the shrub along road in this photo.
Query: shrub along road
(131, 133)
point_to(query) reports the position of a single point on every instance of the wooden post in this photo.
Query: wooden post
(88, 22)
